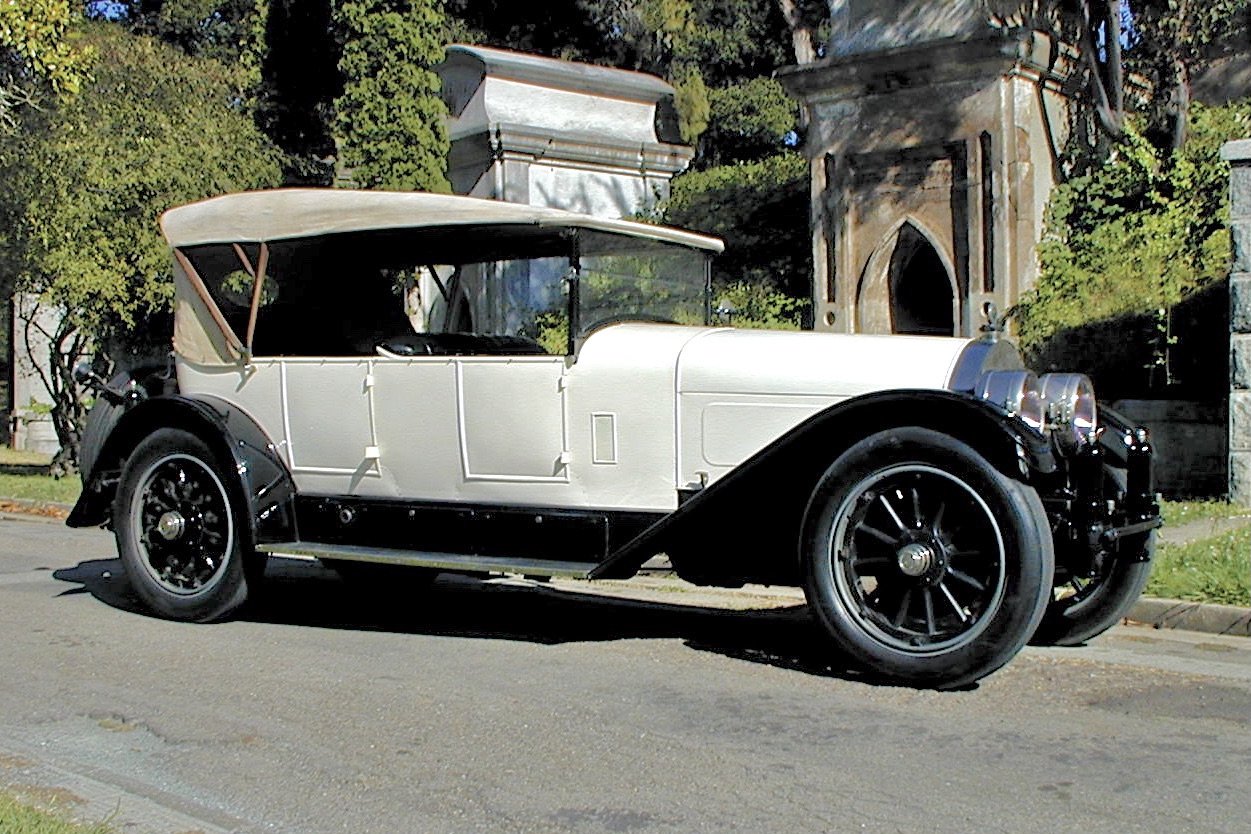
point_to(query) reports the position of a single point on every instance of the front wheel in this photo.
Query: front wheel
(180, 533)
(922, 561)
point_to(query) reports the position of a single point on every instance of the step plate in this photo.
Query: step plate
(438, 561)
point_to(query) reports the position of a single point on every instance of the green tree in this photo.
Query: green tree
(1171, 40)
(1134, 236)
(748, 121)
(220, 29)
(298, 82)
(153, 128)
(557, 28)
(390, 119)
(761, 209)
(35, 50)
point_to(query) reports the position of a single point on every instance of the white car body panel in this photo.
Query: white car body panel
(734, 400)
(646, 409)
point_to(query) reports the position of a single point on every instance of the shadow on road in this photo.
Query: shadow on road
(309, 595)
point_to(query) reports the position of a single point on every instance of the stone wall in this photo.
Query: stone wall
(1189, 441)
(1239, 156)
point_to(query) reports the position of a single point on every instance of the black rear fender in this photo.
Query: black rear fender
(236, 440)
(745, 526)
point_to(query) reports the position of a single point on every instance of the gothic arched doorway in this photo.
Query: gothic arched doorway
(922, 298)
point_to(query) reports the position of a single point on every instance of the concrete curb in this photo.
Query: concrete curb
(1192, 616)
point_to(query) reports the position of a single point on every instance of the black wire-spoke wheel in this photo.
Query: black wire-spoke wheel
(1088, 601)
(178, 530)
(919, 556)
(924, 562)
(183, 523)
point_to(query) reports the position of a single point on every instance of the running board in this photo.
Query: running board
(437, 561)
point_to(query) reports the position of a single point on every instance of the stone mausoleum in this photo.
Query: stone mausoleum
(934, 133)
(560, 134)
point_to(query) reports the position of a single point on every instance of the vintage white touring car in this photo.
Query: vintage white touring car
(453, 384)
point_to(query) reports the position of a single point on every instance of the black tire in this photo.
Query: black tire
(180, 530)
(922, 561)
(1082, 607)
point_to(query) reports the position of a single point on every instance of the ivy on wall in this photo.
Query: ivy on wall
(1126, 243)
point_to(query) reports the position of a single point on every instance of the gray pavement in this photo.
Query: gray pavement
(513, 706)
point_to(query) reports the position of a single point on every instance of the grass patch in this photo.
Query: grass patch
(1177, 513)
(17, 817)
(40, 488)
(1212, 569)
(22, 458)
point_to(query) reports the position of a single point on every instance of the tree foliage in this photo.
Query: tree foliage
(390, 119)
(1170, 42)
(1138, 230)
(219, 29)
(87, 180)
(761, 209)
(748, 121)
(1136, 236)
(35, 49)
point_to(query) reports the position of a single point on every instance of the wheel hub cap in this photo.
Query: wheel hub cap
(171, 525)
(915, 559)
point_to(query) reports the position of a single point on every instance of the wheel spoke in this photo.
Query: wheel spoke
(186, 557)
(961, 576)
(931, 625)
(955, 606)
(894, 515)
(902, 613)
(877, 534)
(921, 559)
(870, 565)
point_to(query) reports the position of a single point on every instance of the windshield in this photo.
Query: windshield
(629, 279)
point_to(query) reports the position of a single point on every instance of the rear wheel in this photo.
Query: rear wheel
(179, 531)
(924, 562)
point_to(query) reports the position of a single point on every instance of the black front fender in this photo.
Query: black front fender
(240, 445)
(745, 526)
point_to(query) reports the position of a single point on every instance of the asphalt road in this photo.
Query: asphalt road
(501, 707)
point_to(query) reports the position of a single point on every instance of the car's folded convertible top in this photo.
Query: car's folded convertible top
(280, 214)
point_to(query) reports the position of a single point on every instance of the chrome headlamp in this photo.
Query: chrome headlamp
(1017, 392)
(1069, 403)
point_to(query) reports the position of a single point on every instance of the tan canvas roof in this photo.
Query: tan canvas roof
(256, 216)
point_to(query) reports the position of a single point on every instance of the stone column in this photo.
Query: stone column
(1238, 154)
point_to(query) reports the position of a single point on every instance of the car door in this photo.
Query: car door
(477, 428)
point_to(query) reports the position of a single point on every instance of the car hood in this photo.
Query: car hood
(750, 362)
